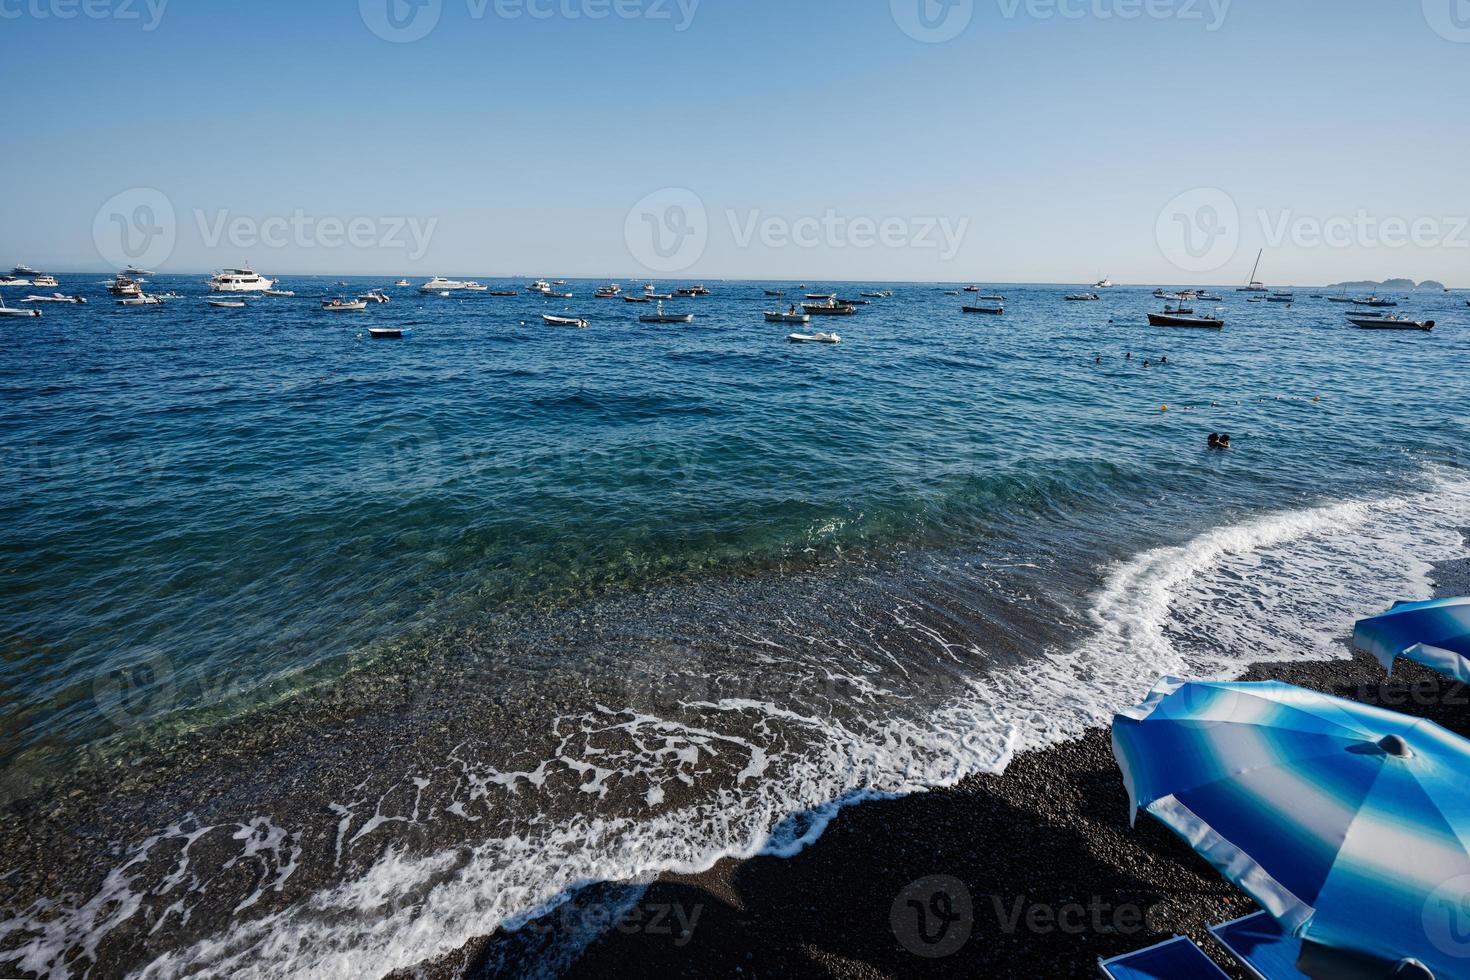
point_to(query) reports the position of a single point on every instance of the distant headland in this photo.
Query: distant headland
(1391, 285)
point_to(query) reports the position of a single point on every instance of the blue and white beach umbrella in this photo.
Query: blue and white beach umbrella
(1435, 634)
(1348, 823)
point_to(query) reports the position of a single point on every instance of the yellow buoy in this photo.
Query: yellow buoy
(1164, 408)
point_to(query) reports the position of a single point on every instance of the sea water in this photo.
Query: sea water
(385, 645)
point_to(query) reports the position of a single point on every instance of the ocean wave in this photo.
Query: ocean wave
(733, 776)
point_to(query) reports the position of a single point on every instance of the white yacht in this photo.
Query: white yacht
(45, 282)
(240, 281)
(441, 285)
(1103, 283)
(540, 286)
(22, 271)
(134, 272)
(124, 286)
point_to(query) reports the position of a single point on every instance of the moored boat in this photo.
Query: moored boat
(226, 304)
(1083, 298)
(791, 316)
(10, 311)
(123, 285)
(565, 321)
(280, 293)
(662, 317)
(57, 298)
(245, 280)
(829, 308)
(389, 333)
(991, 310)
(340, 305)
(1167, 319)
(814, 338)
(374, 296)
(1390, 323)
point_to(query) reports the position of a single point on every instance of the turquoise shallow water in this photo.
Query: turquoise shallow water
(251, 493)
(462, 622)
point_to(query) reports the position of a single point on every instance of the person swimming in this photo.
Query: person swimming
(1163, 360)
(1219, 440)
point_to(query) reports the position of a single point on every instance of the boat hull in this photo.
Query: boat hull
(1194, 322)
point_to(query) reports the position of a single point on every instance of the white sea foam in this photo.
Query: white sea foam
(1284, 586)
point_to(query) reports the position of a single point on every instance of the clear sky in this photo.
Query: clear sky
(1048, 140)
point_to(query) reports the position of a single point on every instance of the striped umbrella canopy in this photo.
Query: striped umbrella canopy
(1435, 634)
(1348, 823)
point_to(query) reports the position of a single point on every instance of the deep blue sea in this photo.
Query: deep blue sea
(646, 595)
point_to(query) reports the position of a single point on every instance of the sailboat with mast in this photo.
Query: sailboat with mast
(1256, 286)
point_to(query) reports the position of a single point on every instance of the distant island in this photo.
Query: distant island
(1391, 285)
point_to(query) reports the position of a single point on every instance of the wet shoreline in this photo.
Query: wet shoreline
(1052, 876)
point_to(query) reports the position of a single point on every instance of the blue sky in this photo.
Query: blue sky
(1049, 140)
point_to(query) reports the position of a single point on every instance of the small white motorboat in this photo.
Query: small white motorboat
(402, 282)
(7, 282)
(226, 304)
(45, 282)
(776, 316)
(659, 296)
(662, 317)
(565, 321)
(340, 305)
(814, 338)
(280, 293)
(9, 311)
(142, 299)
(608, 292)
(56, 298)
(1083, 298)
(389, 333)
(374, 296)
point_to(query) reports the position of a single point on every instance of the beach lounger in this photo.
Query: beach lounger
(1177, 959)
(1261, 946)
